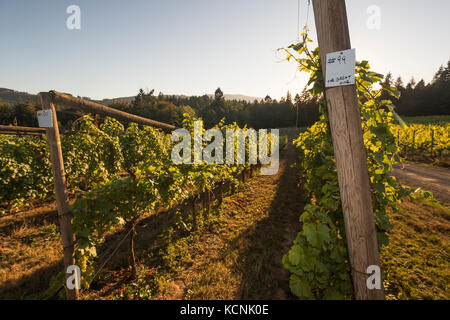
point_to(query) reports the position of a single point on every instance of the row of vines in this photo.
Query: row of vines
(117, 175)
(93, 156)
(432, 139)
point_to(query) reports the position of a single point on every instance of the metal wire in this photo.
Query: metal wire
(119, 243)
(298, 20)
(110, 257)
(298, 17)
(307, 13)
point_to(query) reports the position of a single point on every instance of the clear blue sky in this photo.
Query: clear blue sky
(194, 46)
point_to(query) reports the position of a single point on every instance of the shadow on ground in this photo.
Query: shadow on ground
(264, 276)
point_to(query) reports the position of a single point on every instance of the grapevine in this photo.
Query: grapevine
(153, 182)
(318, 259)
(424, 138)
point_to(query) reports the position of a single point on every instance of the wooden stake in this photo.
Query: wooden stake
(22, 129)
(59, 179)
(219, 193)
(96, 108)
(208, 201)
(132, 257)
(194, 213)
(432, 141)
(345, 123)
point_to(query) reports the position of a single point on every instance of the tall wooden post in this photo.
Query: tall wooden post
(194, 213)
(432, 141)
(59, 180)
(345, 123)
(220, 193)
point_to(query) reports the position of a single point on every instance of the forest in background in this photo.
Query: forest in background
(417, 99)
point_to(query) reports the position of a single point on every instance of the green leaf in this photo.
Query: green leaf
(382, 239)
(300, 287)
(295, 255)
(316, 234)
(310, 232)
(333, 294)
(323, 233)
(397, 117)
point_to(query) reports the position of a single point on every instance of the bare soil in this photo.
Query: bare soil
(436, 180)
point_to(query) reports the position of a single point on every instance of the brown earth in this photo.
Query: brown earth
(436, 180)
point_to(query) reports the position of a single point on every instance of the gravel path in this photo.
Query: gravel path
(436, 180)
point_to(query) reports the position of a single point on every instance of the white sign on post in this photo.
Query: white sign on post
(340, 68)
(45, 118)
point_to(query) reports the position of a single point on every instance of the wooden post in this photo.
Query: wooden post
(232, 187)
(208, 201)
(345, 123)
(413, 140)
(59, 179)
(194, 213)
(22, 129)
(132, 257)
(220, 192)
(96, 108)
(432, 141)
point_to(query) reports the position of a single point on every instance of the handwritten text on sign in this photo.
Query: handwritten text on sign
(45, 118)
(340, 69)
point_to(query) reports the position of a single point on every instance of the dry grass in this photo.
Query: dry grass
(30, 254)
(417, 259)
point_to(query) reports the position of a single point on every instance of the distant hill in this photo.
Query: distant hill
(239, 97)
(115, 100)
(12, 96)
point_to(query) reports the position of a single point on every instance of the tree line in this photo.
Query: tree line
(417, 99)
(266, 113)
(421, 99)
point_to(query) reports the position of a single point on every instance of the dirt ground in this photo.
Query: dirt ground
(436, 180)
